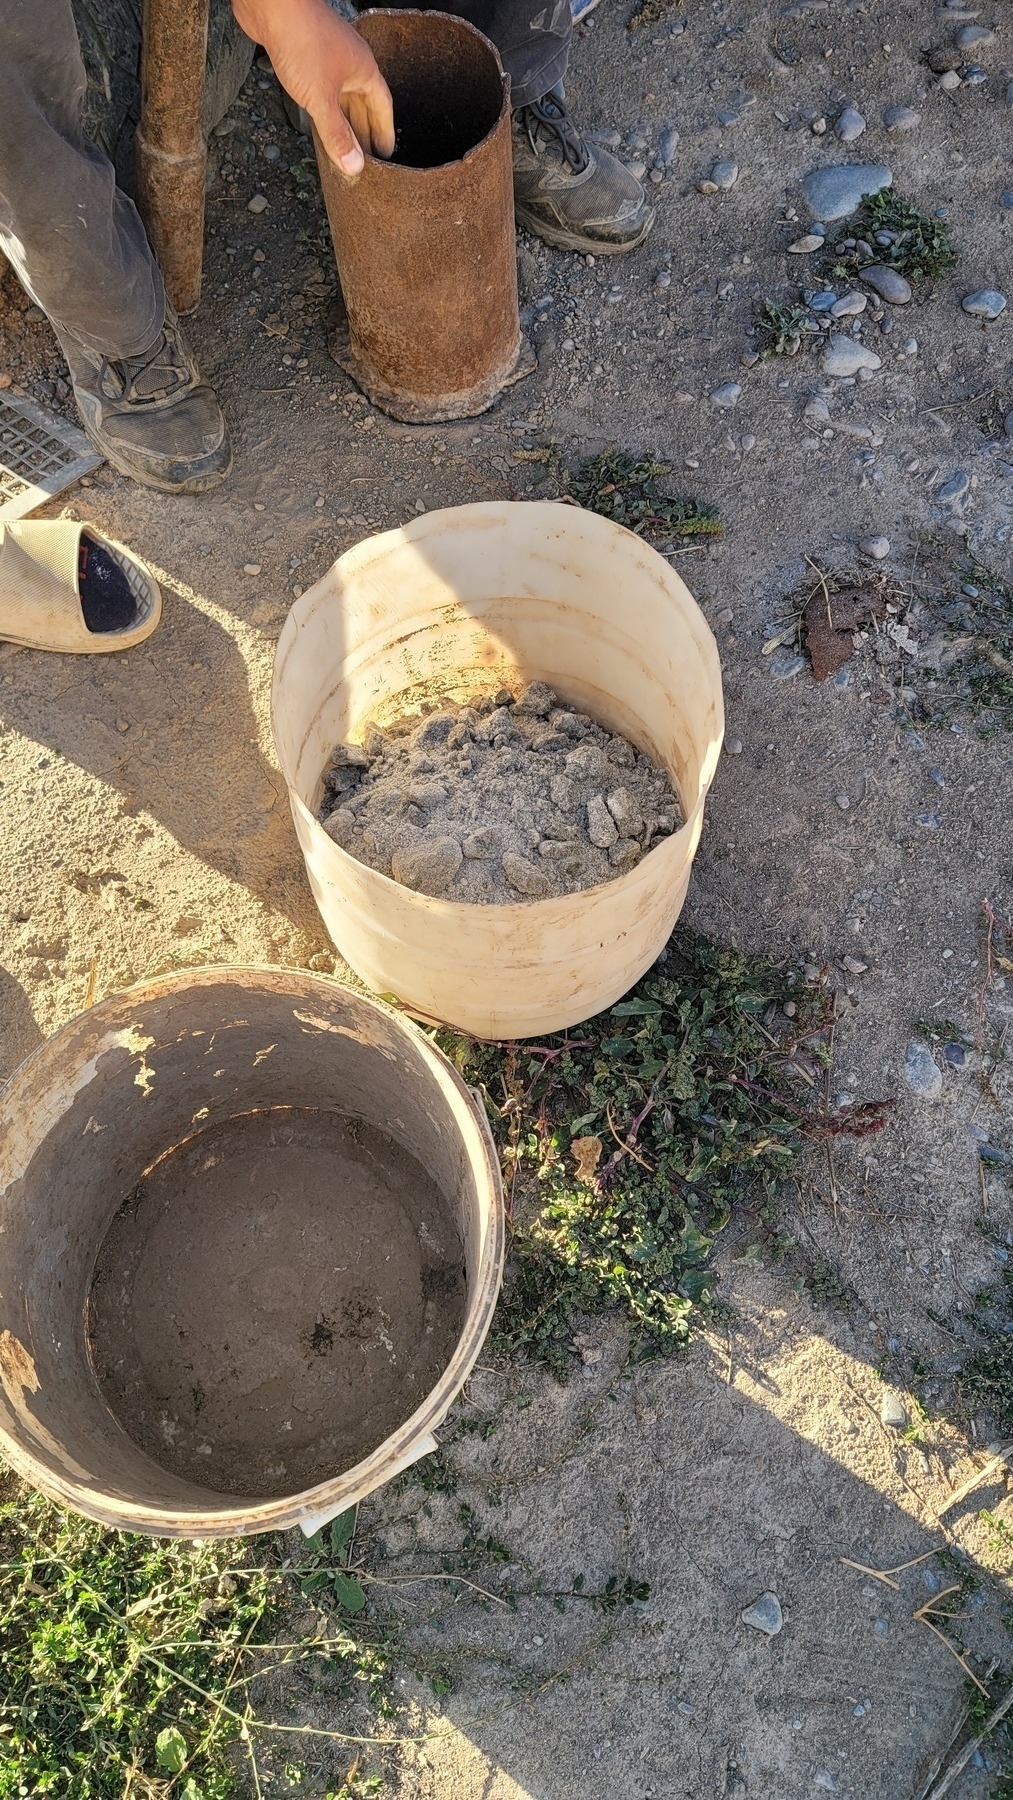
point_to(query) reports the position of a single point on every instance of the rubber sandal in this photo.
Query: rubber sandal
(42, 607)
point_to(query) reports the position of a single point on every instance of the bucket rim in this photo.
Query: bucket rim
(409, 170)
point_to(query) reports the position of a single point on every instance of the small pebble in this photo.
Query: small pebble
(804, 246)
(724, 175)
(953, 491)
(849, 305)
(818, 127)
(888, 283)
(251, 568)
(875, 547)
(833, 193)
(637, 169)
(909, 347)
(733, 746)
(727, 395)
(949, 80)
(258, 204)
(901, 118)
(892, 1410)
(984, 303)
(1006, 199)
(667, 146)
(764, 1615)
(850, 125)
(843, 801)
(955, 1055)
(843, 356)
(663, 279)
(921, 1071)
(787, 667)
(974, 37)
(823, 302)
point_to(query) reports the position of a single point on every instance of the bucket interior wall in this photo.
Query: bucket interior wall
(446, 88)
(108, 1096)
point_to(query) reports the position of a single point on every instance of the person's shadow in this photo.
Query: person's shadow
(19, 1033)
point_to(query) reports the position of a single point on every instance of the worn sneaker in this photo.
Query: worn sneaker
(152, 416)
(572, 193)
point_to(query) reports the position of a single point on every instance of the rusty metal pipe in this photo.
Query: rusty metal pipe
(172, 151)
(425, 243)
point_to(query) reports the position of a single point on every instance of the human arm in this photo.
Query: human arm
(329, 69)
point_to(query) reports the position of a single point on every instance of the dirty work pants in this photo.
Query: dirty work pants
(75, 240)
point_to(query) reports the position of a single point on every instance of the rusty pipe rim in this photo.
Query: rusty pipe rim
(470, 30)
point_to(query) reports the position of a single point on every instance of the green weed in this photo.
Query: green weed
(626, 489)
(118, 1656)
(782, 330)
(923, 247)
(626, 1142)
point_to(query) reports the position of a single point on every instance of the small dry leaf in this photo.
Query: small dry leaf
(586, 1153)
(1005, 963)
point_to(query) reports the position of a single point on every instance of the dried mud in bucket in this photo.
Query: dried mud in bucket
(274, 1298)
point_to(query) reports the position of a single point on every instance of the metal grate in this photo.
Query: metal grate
(40, 455)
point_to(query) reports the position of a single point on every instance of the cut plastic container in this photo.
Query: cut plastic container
(462, 602)
(89, 1114)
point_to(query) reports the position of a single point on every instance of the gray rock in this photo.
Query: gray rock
(426, 794)
(436, 730)
(724, 175)
(955, 489)
(955, 1055)
(849, 305)
(973, 75)
(625, 812)
(350, 756)
(888, 283)
(901, 118)
(339, 825)
(943, 58)
(921, 1071)
(667, 146)
(850, 125)
(892, 1410)
(525, 876)
(823, 302)
(834, 192)
(546, 741)
(587, 763)
(601, 827)
(974, 37)
(764, 1615)
(625, 853)
(428, 867)
(1008, 425)
(561, 792)
(727, 395)
(486, 841)
(537, 700)
(984, 303)
(804, 246)
(785, 667)
(258, 204)
(875, 547)
(949, 80)
(1006, 199)
(843, 356)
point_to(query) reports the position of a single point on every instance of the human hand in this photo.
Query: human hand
(329, 69)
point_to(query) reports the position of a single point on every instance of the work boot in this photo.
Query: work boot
(572, 193)
(152, 416)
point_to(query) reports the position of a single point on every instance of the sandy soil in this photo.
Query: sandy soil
(145, 827)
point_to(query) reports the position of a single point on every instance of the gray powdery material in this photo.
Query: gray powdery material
(506, 800)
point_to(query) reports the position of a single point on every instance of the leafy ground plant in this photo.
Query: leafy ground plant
(783, 329)
(922, 247)
(626, 1141)
(976, 673)
(628, 490)
(118, 1657)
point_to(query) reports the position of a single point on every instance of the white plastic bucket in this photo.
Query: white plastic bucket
(455, 604)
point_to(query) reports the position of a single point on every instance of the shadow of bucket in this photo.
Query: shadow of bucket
(425, 243)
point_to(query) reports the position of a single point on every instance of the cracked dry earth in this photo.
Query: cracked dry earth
(145, 827)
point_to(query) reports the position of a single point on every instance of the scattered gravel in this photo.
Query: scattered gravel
(504, 800)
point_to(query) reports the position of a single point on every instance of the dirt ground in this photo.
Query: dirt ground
(145, 827)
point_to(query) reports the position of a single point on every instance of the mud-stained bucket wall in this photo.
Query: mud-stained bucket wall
(458, 604)
(251, 1238)
(425, 243)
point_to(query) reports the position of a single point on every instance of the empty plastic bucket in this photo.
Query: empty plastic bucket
(238, 1209)
(460, 603)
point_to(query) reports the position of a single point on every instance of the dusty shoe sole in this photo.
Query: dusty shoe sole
(560, 239)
